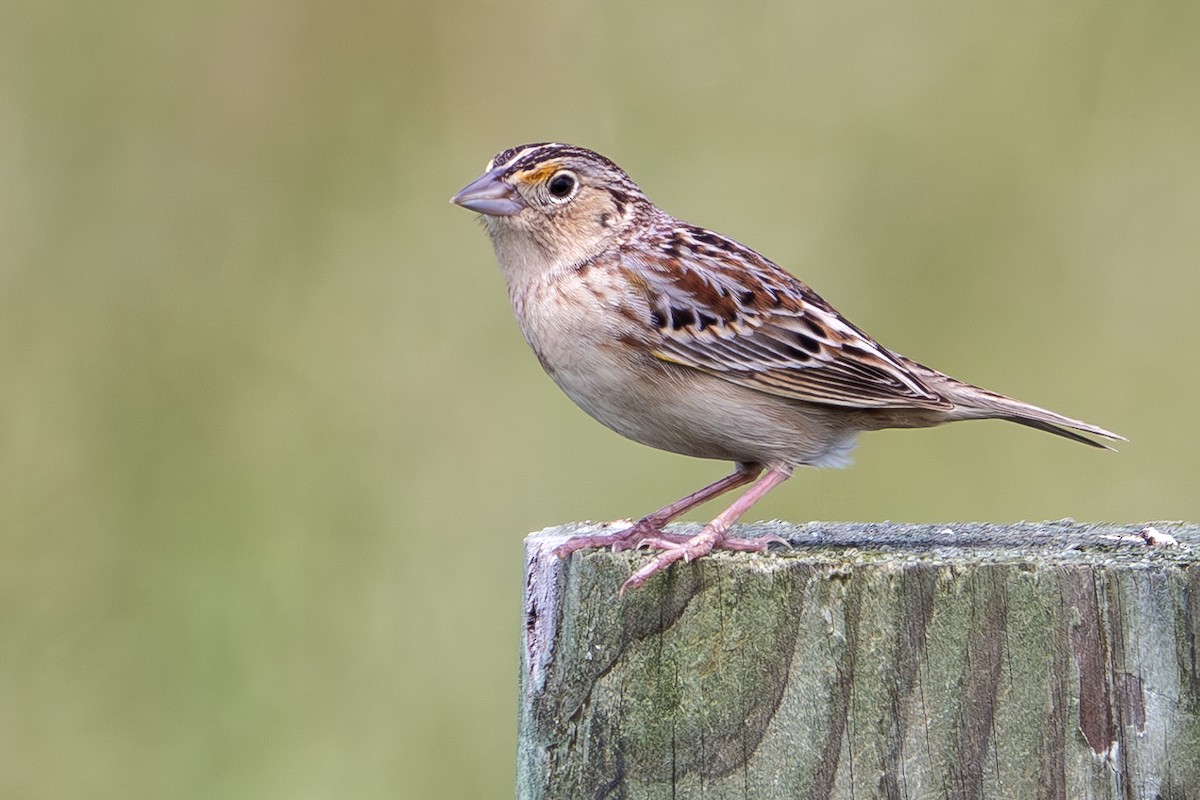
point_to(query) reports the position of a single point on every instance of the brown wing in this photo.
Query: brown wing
(724, 309)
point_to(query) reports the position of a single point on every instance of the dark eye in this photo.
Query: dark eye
(562, 185)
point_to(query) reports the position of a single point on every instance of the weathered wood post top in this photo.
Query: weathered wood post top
(1038, 660)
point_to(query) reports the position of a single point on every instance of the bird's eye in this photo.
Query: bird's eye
(562, 185)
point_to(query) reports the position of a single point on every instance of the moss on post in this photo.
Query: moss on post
(1049, 660)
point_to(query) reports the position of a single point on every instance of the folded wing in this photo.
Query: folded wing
(722, 308)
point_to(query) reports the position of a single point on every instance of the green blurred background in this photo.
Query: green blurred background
(270, 438)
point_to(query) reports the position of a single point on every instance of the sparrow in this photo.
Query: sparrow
(688, 341)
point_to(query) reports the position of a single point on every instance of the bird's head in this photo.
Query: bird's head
(554, 204)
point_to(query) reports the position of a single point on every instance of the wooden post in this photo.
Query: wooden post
(1041, 660)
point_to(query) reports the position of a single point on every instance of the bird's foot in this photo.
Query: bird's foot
(627, 539)
(669, 541)
(691, 548)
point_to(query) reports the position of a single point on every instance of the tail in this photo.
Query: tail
(1051, 427)
(972, 402)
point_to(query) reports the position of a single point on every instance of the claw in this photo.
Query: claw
(626, 539)
(663, 541)
(660, 562)
(676, 547)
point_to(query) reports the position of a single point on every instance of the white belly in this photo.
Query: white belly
(579, 343)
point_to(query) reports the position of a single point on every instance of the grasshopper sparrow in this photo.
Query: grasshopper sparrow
(685, 340)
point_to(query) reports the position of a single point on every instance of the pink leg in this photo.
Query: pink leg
(652, 524)
(713, 535)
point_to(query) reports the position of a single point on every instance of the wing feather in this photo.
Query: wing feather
(727, 311)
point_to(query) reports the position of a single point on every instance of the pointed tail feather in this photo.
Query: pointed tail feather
(973, 402)
(1065, 433)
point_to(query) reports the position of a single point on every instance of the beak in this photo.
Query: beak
(489, 194)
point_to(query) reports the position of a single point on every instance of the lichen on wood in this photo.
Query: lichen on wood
(1039, 660)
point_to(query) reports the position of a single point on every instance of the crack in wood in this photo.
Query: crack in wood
(1067, 667)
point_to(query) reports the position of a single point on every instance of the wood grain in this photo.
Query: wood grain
(1040, 660)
